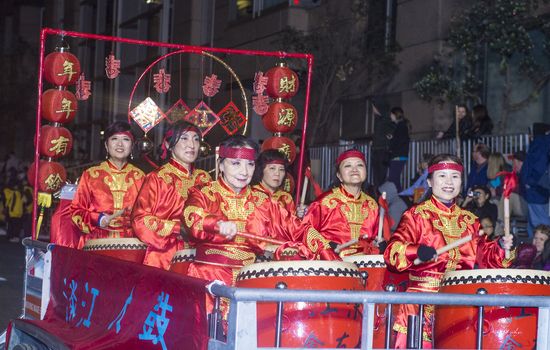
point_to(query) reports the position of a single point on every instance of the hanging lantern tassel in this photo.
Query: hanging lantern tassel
(44, 201)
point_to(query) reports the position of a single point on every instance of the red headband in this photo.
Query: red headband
(170, 133)
(237, 153)
(349, 154)
(445, 166)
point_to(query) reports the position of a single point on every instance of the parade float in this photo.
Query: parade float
(104, 298)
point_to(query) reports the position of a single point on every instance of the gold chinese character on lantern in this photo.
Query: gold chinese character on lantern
(285, 149)
(53, 182)
(68, 69)
(286, 117)
(59, 145)
(286, 85)
(66, 107)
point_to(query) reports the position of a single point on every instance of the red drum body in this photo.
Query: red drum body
(503, 328)
(181, 261)
(306, 324)
(129, 249)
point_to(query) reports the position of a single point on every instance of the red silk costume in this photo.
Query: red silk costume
(157, 212)
(340, 217)
(104, 189)
(282, 197)
(433, 224)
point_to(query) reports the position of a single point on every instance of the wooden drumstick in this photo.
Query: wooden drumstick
(448, 247)
(304, 191)
(506, 221)
(381, 220)
(260, 238)
(349, 243)
(457, 130)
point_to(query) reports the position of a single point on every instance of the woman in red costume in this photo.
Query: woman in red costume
(431, 225)
(157, 212)
(346, 213)
(106, 192)
(269, 175)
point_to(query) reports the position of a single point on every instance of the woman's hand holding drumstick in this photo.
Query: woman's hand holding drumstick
(444, 249)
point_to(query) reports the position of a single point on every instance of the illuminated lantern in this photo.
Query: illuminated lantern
(288, 184)
(61, 68)
(280, 117)
(59, 106)
(282, 82)
(51, 176)
(282, 144)
(55, 141)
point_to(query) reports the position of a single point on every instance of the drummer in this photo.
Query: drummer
(157, 212)
(106, 193)
(345, 212)
(215, 213)
(433, 224)
(269, 175)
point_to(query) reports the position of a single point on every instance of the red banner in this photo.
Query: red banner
(98, 302)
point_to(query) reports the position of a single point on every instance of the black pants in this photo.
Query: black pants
(380, 160)
(15, 225)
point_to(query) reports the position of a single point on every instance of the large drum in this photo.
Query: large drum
(181, 261)
(307, 324)
(129, 249)
(503, 328)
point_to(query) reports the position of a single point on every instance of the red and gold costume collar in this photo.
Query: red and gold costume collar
(114, 167)
(442, 206)
(262, 188)
(349, 195)
(180, 166)
(226, 187)
(445, 166)
(352, 153)
(237, 153)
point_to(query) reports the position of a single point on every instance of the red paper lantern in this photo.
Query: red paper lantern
(51, 176)
(59, 106)
(55, 141)
(282, 144)
(61, 68)
(282, 82)
(288, 183)
(280, 117)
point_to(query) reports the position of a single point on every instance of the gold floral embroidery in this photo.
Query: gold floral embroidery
(314, 239)
(428, 282)
(152, 224)
(234, 253)
(118, 181)
(77, 219)
(397, 256)
(190, 214)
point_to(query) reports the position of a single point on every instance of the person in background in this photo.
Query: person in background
(395, 204)
(431, 225)
(478, 202)
(419, 188)
(464, 125)
(399, 146)
(518, 205)
(156, 216)
(488, 226)
(496, 164)
(380, 148)
(482, 123)
(13, 201)
(478, 171)
(106, 193)
(345, 212)
(536, 254)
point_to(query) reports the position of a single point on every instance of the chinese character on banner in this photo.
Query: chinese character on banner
(211, 85)
(83, 88)
(260, 83)
(147, 114)
(73, 304)
(122, 312)
(162, 81)
(203, 117)
(157, 320)
(66, 107)
(112, 66)
(177, 112)
(259, 104)
(231, 119)
(68, 69)
(59, 145)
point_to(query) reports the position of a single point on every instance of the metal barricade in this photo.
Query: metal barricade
(242, 322)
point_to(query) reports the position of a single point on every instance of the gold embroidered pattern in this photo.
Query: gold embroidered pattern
(282, 197)
(397, 256)
(77, 219)
(402, 329)
(234, 253)
(193, 215)
(118, 181)
(507, 262)
(314, 239)
(152, 224)
(183, 181)
(429, 283)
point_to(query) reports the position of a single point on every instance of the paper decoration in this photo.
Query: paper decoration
(177, 112)
(259, 104)
(211, 85)
(231, 118)
(203, 117)
(147, 114)
(162, 81)
(83, 88)
(260, 83)
(112, 66)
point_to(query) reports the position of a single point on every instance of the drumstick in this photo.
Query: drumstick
(506, 221)
(457, 130)
(349, 243)
(448, 247)
(381, 219)
(260, 238)
(304, 191)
